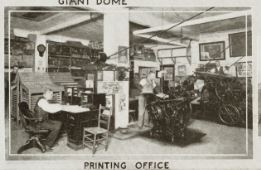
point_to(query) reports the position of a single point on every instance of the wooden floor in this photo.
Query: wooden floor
(219, 139)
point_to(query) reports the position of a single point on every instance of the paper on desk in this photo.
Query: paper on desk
(74, 109)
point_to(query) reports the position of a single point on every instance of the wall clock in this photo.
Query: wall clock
(41, 49)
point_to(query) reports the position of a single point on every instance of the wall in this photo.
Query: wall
(180, 61)
(141, 63)
(213, 37)
(205, 38)
(41, 63)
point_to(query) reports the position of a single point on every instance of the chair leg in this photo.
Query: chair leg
(94, 144)
(107, 142)
(39, 145)
(29, 144)
(32, 142)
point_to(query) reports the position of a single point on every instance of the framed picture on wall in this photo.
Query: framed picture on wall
(238, 44)
(212, 51)
(244, 69)
(182, 70)
(169, 72)
(123, 54)
(144, 71)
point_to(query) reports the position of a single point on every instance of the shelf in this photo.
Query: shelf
(80, 58)
(56, 67)
(57, 56)
(75, 56)
(75, 68)
(78, 77)
(69, 57)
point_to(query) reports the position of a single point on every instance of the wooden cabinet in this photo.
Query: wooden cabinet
(29, 88)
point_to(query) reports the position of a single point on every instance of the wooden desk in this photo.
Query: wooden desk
(75, 124)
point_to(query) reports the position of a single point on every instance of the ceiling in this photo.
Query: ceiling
(33, 16)
(233, 23)
(179, 24)
(89, 30)
(89, 25)
(178, 14)
(193, 31)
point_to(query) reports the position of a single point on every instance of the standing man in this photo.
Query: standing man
(147, 86)
(218, 69)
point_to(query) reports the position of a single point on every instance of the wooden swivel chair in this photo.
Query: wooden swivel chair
(32, 127)
(95, 136)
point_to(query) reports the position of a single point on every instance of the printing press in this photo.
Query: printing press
(227, 95)
(170, 115)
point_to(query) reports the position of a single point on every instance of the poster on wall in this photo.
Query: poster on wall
(212, 51)
(244, 69)
(122, 106)
(108, 75)
(108, 87)
(109, 101)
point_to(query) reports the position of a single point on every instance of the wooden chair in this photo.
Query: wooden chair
(95, 136)
(31, 126)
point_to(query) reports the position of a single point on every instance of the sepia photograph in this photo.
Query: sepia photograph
(143, 81)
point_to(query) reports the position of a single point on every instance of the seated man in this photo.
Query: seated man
(42, 109)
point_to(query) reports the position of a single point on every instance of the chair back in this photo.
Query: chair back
(104, 118)
(25, 113)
